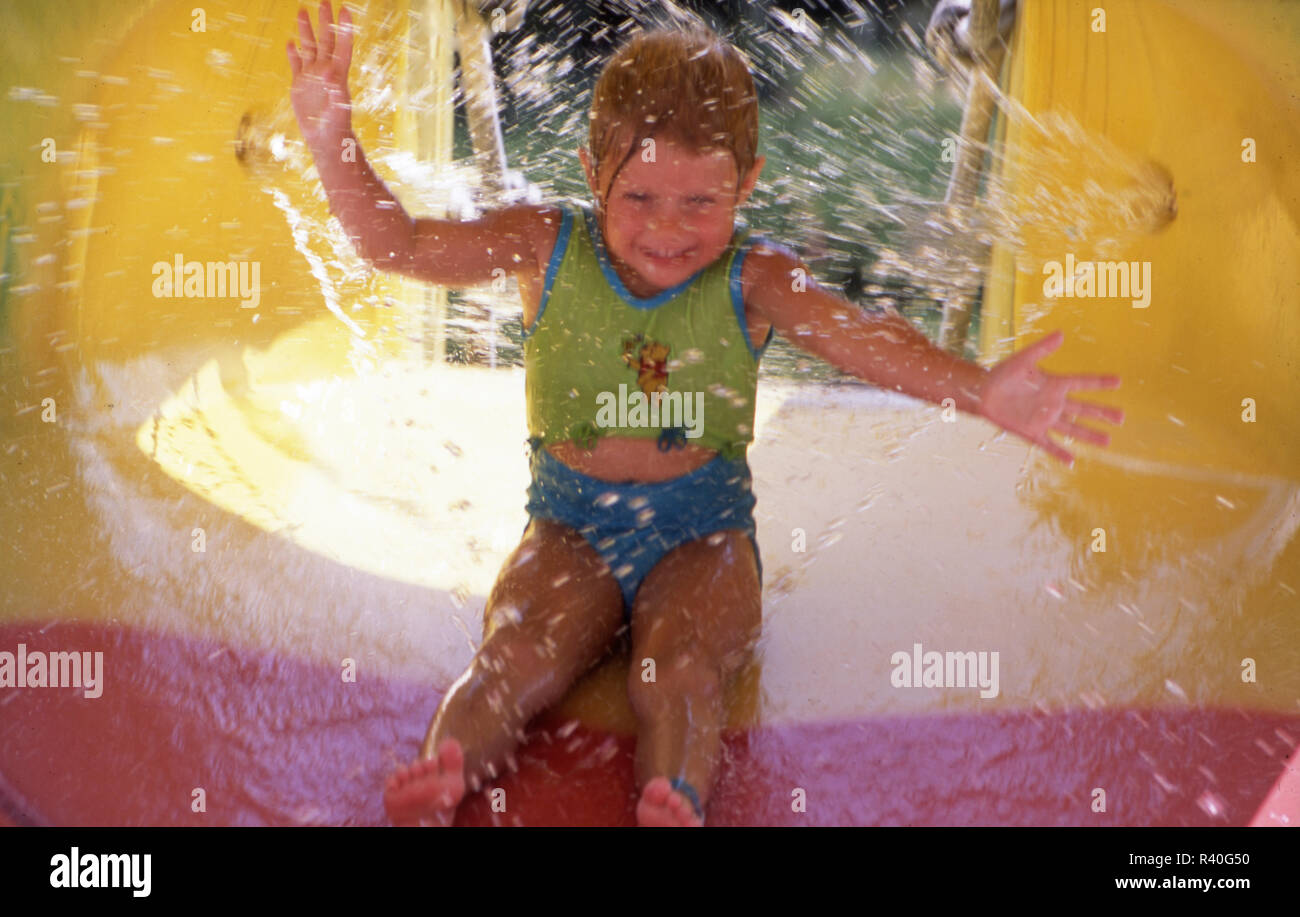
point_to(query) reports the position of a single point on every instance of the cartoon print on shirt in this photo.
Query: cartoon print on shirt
(650, 361)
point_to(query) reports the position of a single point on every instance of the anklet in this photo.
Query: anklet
(681, 786)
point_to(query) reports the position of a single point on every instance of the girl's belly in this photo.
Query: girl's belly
(624, 458)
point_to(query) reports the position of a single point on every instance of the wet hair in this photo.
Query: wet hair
(682, 83)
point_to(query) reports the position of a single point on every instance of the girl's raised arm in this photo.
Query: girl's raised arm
(445, 252)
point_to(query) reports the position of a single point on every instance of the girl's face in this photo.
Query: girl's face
(670, 213)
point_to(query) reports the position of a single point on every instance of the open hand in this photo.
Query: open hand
(320, 77)
(1020, 397)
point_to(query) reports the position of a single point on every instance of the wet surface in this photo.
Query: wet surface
(274, 741)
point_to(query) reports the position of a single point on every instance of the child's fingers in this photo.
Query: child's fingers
(1077, 431)
(1054, 450)
(1042, 347)
(1076, 409)
(343, 50)
(306, 40)
(295, 63)
(326, 50)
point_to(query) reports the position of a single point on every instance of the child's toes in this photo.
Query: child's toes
(450, 756)
(657, 791)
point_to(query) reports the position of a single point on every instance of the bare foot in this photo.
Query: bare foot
(428, 791)
(661, 806)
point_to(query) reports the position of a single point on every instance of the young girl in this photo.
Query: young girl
(644, 322)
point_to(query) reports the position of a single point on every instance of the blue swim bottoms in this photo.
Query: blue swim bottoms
(633, 525)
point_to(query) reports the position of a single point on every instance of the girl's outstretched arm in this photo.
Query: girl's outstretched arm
(887, 351)
(447, 252)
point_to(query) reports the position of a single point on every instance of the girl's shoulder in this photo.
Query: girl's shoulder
(767, 261)
(542, 224)
(536, 225)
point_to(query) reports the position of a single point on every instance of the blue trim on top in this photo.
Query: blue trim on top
(738, 298)
(616, 282)
(553, 266)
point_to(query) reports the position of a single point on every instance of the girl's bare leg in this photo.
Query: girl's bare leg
(552, 614)
(697, 615)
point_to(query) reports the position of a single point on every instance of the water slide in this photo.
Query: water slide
(278, 519)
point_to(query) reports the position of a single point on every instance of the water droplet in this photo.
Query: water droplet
(1212, 805)
(525, 556)
(508, 614)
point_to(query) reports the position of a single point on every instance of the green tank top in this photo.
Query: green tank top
(677, 366)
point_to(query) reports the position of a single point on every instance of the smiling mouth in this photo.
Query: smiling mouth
(668, 255)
